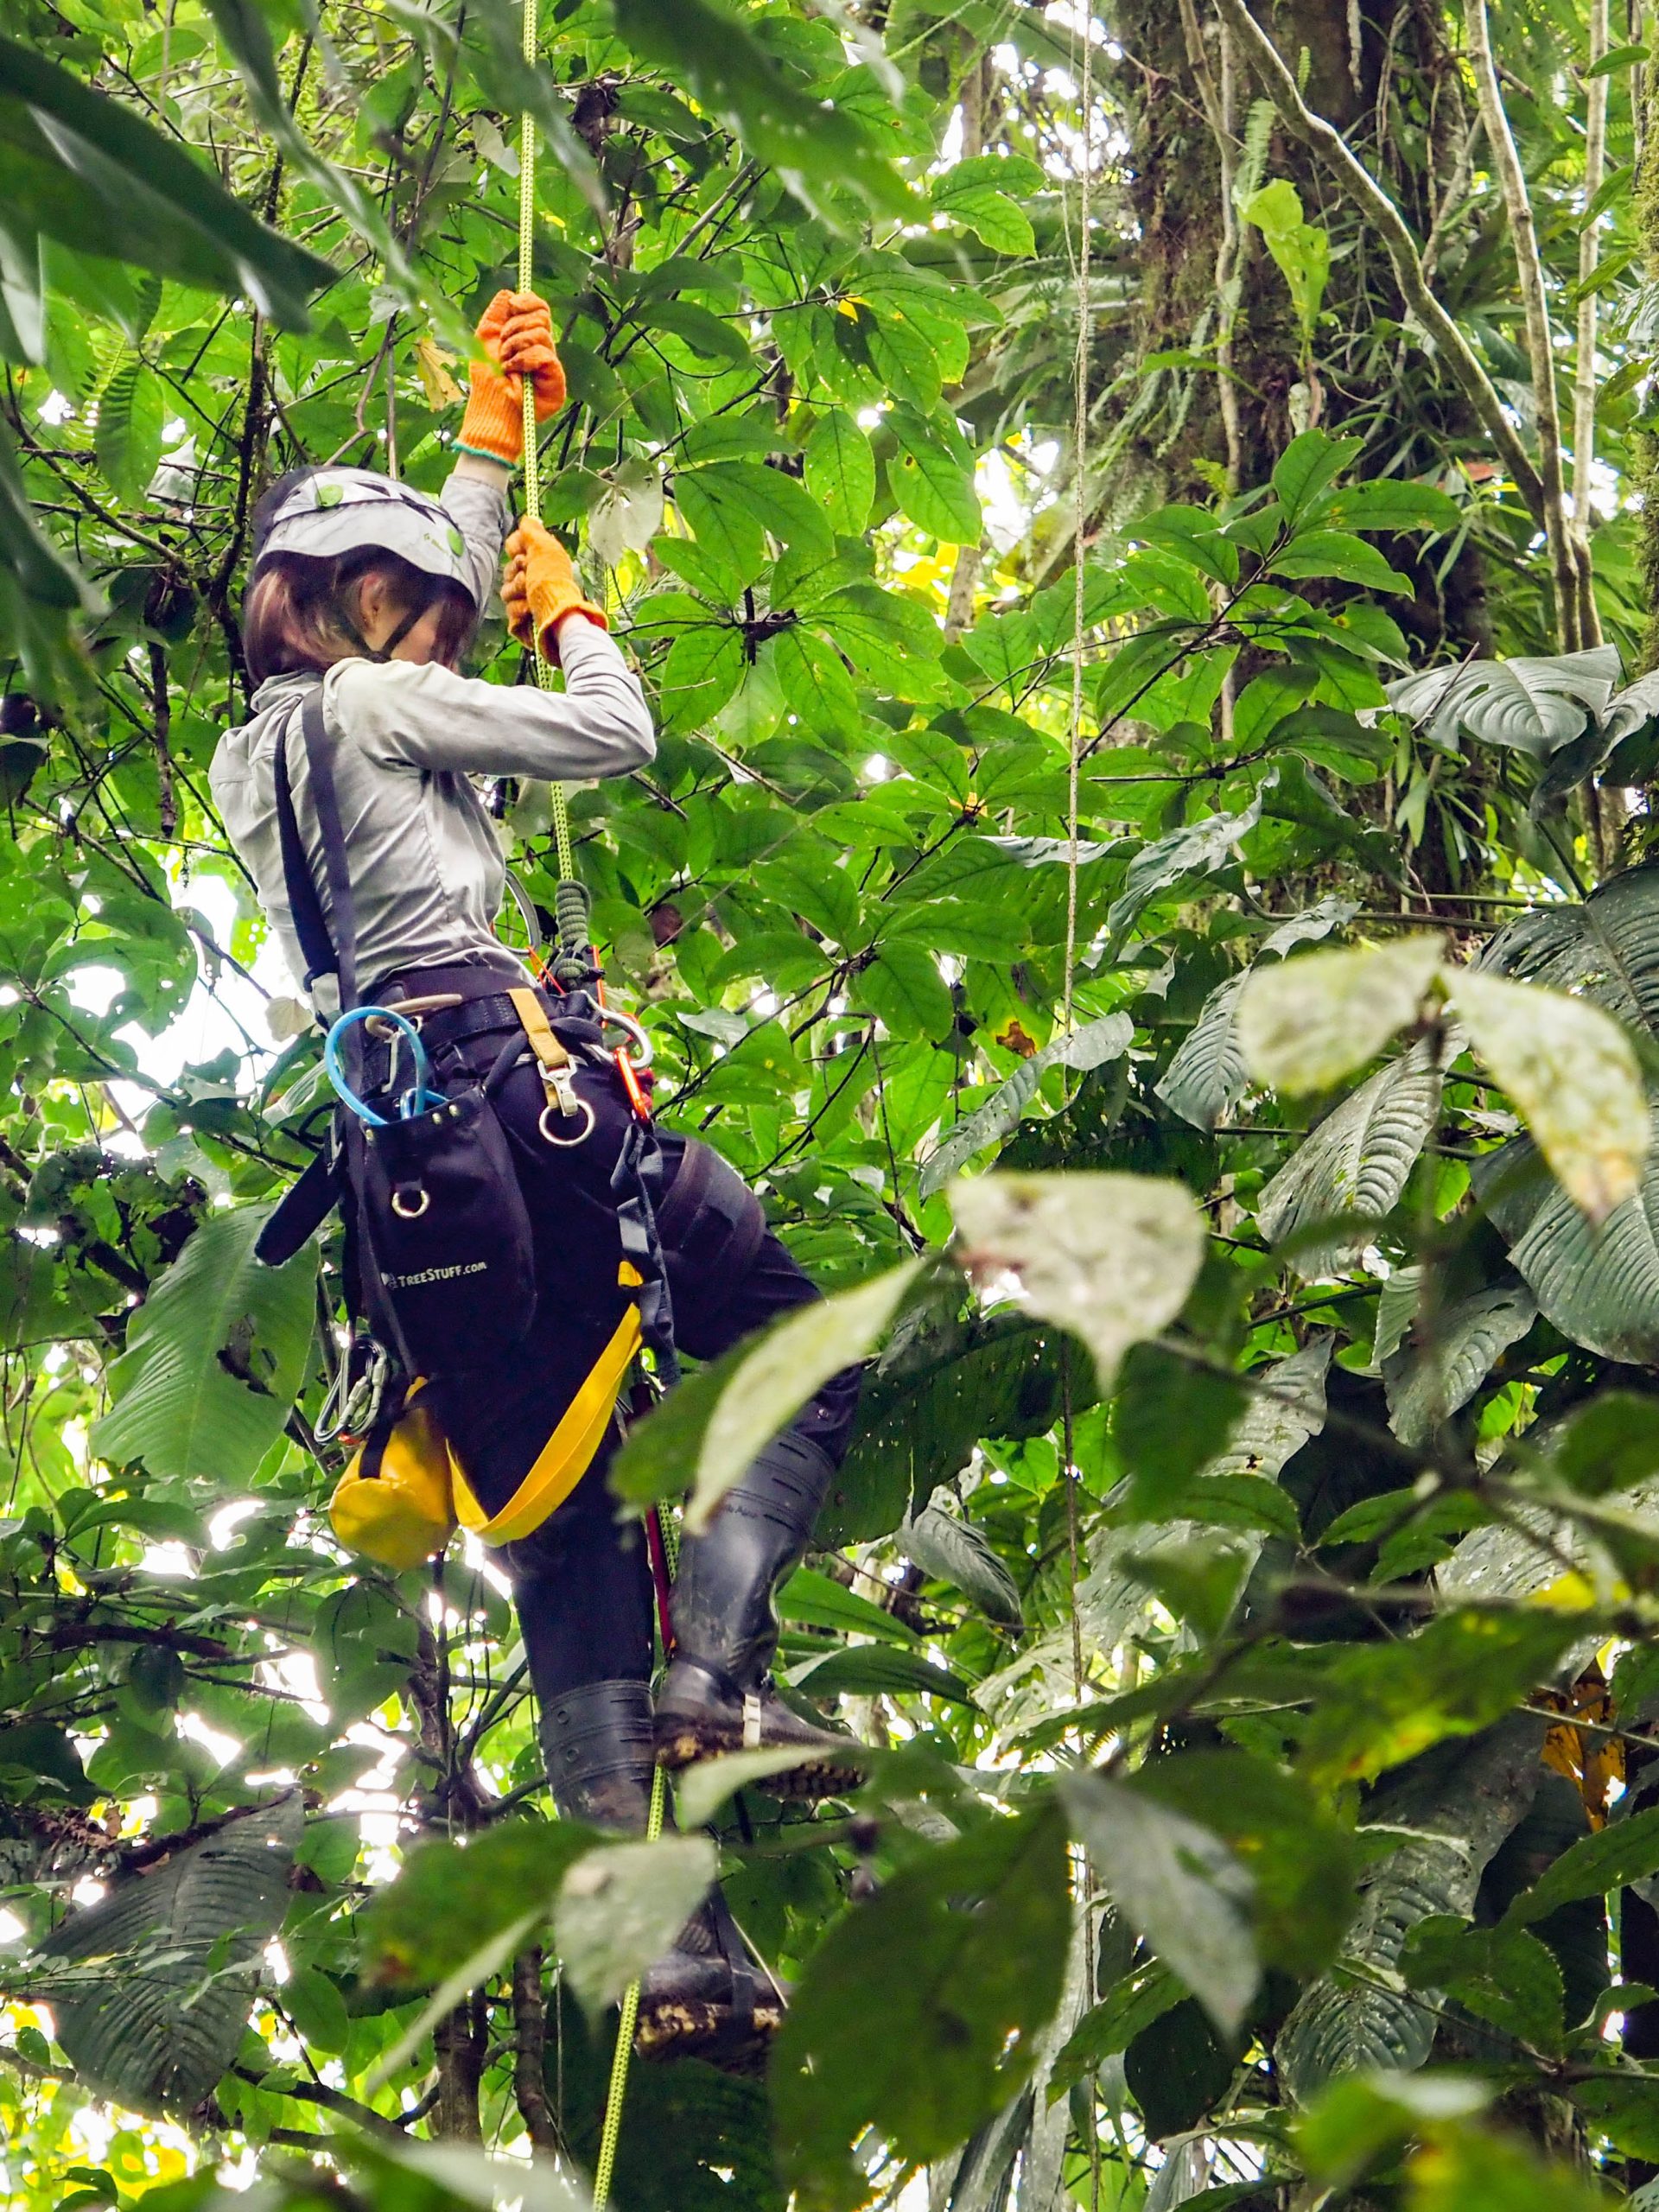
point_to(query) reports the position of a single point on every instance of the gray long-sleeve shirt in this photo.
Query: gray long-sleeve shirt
(427, 871)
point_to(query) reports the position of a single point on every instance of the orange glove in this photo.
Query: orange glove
(515, 332)
(540, 589)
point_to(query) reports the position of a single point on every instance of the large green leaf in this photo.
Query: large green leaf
(151, 1986)
(919, 2012)
(1207, 1076)
(958, 1552)
(1451, 1354)
(1353, 2018)
(128, 439)
(941, 1386)
(83, 169)
(1598, 1282)
(1607, 947)
(1355, 1163)
(1533, 705)
(1111, 1257)
(783, 121)
(214, 1358)
(1177, 1884)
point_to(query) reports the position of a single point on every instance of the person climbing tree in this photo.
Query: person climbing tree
(579, 1227)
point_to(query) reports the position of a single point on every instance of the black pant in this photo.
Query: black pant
(582, 1582)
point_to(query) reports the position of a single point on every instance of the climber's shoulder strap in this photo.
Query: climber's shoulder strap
(326, 952)
(302, 1210)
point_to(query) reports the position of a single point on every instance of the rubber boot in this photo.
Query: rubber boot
(719, 1695)
(705, 1997)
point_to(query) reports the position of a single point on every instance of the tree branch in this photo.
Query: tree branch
(1460, 357)
(1564, 554)
(530, 2049)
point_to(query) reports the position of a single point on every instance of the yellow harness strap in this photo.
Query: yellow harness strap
(567, 1454)
(545, 1045)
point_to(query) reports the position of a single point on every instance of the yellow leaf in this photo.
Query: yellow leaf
(434, 365)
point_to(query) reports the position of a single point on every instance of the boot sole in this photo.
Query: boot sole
(689, 2030)
(686, 1745)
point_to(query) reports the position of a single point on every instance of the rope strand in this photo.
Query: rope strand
(617, 2091)
(560, 800)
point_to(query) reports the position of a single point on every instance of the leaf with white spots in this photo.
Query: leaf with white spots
(1111, 1257)
(1309, 1022)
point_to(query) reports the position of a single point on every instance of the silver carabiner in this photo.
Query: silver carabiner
(612, 1018)
(566, 1100)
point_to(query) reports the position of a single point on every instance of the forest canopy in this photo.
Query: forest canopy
(1137, 527)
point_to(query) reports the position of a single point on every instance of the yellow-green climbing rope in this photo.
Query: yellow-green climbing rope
(566, 858)
(569, 920)
(626, 2025)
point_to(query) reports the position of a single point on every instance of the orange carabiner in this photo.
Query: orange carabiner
(630, 1082)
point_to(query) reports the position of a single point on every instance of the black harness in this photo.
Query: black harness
(439, 1246)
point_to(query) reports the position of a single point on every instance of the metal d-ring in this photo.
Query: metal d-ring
(582, 1106)
(405, 1212)
(613, 1018)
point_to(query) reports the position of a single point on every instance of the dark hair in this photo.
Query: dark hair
(291, 618)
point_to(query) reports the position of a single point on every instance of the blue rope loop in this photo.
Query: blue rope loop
(419, 1098)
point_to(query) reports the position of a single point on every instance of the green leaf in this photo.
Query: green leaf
(929, 483)
(1611, 1444)
(979, 191)
(1302, 1861)
(1107, 1038)
(1625, 1851)
(712, 54)
(312, 2000)
(779, 1372)
(1001, 222)
(1501, 1974)
(926, 1405)
(1461, 1344)
(1177, 1884)
(621, 1905)
(150, 1988)
(1335, 553)
(840, 472)
(810, 1600)
(1197, 850)
(1113, 2024)
(1307, 1023)
(958, 1552)
(1354, 1166)
(127, 438)
(1308, 464)
(214, 1358)
(1450, 1821)
(703, 669)
(85, 168)
(920, 2013)
(815, 681)
(1208, 1076)
(1170, 1418)
(877, 1669)
(1389, 503)
(451, 1900)
(1111, 1257)
(700, 1791)
(1302, 249)
(903, 987)
(1381, 1706)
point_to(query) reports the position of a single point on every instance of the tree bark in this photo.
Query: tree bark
(1386, 81)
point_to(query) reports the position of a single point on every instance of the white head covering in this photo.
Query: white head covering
(324, 513)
